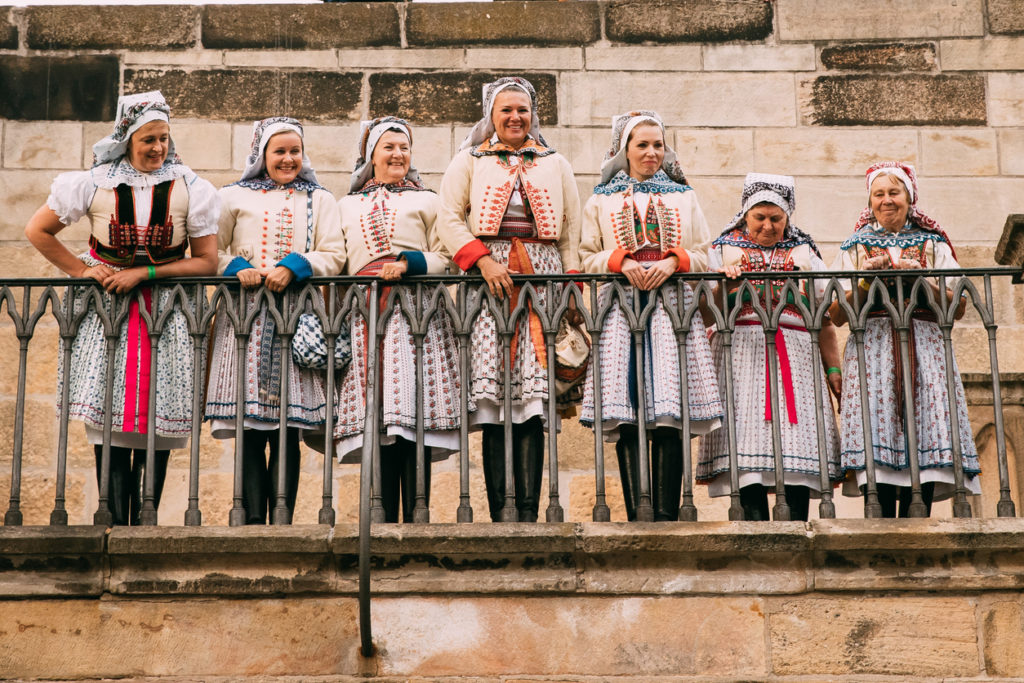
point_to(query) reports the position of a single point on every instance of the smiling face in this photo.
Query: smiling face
(645, 150)
(391, 157)
(511, 115)
(284, 157)
(766, 224)
(147, 147)
(890, 202)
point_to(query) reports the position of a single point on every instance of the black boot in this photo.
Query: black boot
(629, 469)
(408, 479)
(528, 442)
(754, 499)
(493, 452)
(666, 473)
(390, 474)
(160, 459)
(255, 477)
(799, 500)
(927, 493)
(291, 471)
(888, 495)
(120, 487)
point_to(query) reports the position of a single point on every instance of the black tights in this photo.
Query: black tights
(889, 495)
(398, 472)
(259, 476)
(527, 467)
(128, 481)
(754, 499)
(666, 469)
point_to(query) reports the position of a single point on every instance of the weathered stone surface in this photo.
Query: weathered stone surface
(865, 635)
(184, 58)
(884, 57)
(503, 23)
(432, 98)
(51, 144)
(841, 20)
(385, 58)
(80, 88)
(1006, 99)
(205, 145)
(830, 151)
(53, 561)
(561, 58)
(39, 443)
(860, 99)
(1002, 620)
(643, 57)
(759, 58)
(330, 25)
(974, 208)
(8, 32)
(1010, 250)
(573, 635)
(1011, 152)
(991, 54)
(110, 27)
(959, 152)
(309, 59)
(697, 21)
(38, 491)
(250, 94)
(705, 99)
(1005, 16)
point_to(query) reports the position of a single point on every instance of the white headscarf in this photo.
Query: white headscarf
(484, 128)
(262, 131)
(369, 136)
(900, 170)
(133, 112)
(615, 159)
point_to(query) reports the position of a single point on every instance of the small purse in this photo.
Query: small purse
(309, 345)
(572, 356)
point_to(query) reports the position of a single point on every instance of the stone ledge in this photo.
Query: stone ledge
(50, 88)
(880, 57)
(695, 21)
(296, 28)
(111, 27)
(1010, 249)
(540, 22)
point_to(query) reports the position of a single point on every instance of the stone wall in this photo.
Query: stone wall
(814, 88)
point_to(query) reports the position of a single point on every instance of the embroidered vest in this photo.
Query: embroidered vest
(494, 177)
(116, 239)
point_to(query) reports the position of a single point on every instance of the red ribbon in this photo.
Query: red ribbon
(785, 370)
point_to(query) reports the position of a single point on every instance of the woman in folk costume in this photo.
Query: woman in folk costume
(278, 226)
(509, 205)
(892, 233)
(145, 208)
(761, 237)
(644, 222)
(388, 219)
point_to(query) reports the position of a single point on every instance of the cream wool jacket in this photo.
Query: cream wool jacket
(609, 235)
(268, 228)
(475, 191)
(386, 223)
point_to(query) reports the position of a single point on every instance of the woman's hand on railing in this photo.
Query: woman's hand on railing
(497, 276)
(634, 273)
(394, 271)
(661, 271)
(250, 277)
(277, 278)
(100, 273)
(125, 280)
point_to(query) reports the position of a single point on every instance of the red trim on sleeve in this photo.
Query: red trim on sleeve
(572, 272)
(683, 256)
(467, 257)
(616, 259)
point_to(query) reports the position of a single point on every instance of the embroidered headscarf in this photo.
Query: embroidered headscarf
(762, 188)
(484, 128)
(133, 112)
(369, 135)
(255, 174)
(615, 167)
(908, 176)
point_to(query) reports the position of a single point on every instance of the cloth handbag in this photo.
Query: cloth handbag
(572, 356)
(309, 345)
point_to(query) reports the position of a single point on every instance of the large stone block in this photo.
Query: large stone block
(959, 152)
(385, 58)
(830, 151)
(992, 54)
(205, 145)
(79, 88)
(23, 191)
(1005, 16)
(706, 99)
(1011, 152)
(572, 635)
(165, 59)
(503, 23)
(867, 635)
(864, 100)
(1006, 98)
(52, 144)
(250, 94)
(643, 57)
(331, 148)
(39, 442)
(884, 57)
(560, 58)
(8, 32)
(38, 496)
(838, 19)
(309, 59)
(759, 58)
(1002, 623)
(271, 26)
(51, 561)
(972, 210)
(715, 151)
(696, 21)
(432, 98)
(105, 28)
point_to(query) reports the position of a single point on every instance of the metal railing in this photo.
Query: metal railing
(461, 299)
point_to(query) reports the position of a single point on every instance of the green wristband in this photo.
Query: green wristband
(152, 272)
(834, 371)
